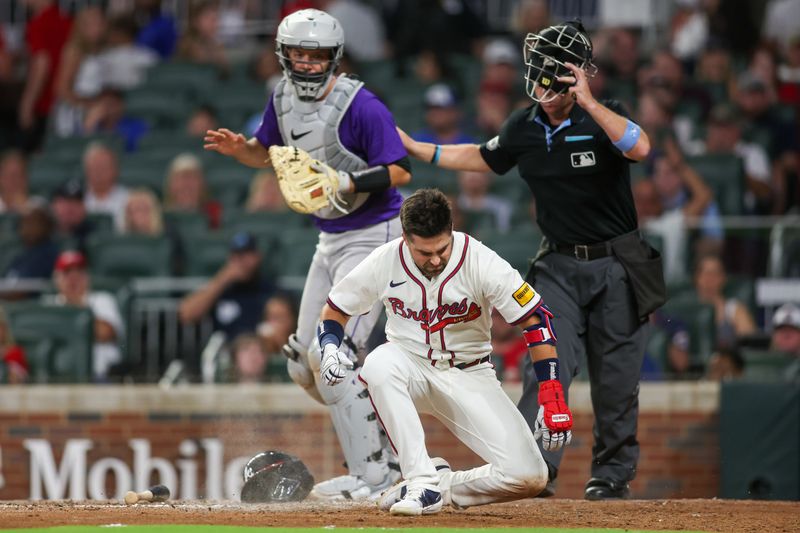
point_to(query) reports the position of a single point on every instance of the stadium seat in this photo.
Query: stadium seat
(517, 247)
(425, 176)
(158, 110)
(47, 173)
(182, 81)
(724, 173)
(784, 249)
(229, 182)
(765, 365)
(10, 246)
(262, 222)
(58, 340)
(207, 253)
(476, 221)
(297, 249)
(102, 222)
(702, 327)
(187, 224)
(129, 256)
(8, 224)
(138, 171)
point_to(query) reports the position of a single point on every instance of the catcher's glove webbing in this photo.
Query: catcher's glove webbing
(307, 184)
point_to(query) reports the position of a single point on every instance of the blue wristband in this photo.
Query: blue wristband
(629, 138)
(436, 153)
(546, 369)
(330, 332)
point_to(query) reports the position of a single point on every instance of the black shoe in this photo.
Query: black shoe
(599, 488)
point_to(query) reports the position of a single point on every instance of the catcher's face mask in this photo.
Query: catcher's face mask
(545, 55)
(299, 43)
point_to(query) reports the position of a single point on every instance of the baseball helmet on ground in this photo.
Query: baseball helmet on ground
(276, 477)
(547, 52)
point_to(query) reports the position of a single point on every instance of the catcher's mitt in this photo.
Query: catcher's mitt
(307, 184)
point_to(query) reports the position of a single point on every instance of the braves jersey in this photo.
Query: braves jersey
(447, 317)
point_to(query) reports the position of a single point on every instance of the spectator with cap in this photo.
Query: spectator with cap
(786, 329)
(13, 182)
(73, 284)
(766, 125)
(724, 136)
(39, 252)
(235, 295)
(72, 226)
(500, 61)
(443, 117)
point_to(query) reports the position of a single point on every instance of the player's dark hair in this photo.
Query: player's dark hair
(426, 213)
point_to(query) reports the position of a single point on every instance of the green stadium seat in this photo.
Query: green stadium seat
(724, 173)
(129, 256)
(229, 182)
(297, 247)
(102, 222)
(518, 247)
(187, 224)
(8, 224)
(47, 173)
(207, 253)
(58, 340)
(262, 222)
(784, 249)
(186, 81)
(476, 222)
(699, 318)
(424, 176)
(10, 246)
(765, 365)
(157, 108)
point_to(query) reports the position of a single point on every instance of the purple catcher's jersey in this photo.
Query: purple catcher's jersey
(368, 130)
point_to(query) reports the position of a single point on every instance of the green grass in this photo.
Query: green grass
(237, 529)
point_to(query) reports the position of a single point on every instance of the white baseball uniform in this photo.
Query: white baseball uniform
(437, 362)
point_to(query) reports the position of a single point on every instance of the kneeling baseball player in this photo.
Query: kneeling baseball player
(438, 287)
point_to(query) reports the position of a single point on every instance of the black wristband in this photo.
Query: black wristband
(375, 179)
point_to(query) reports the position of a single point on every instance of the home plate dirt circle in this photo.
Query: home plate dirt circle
(696, 515)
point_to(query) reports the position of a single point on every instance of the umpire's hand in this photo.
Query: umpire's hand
(580, 90)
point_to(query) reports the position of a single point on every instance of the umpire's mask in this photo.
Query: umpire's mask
(547, 52)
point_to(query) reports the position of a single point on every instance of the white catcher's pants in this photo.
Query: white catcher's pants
(473, 406)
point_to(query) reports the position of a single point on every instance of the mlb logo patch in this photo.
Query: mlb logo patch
(583, 159)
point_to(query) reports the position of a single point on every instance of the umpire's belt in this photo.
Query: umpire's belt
(585, 252)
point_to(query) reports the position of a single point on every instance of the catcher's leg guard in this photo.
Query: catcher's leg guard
(364, 444)
(298, 368)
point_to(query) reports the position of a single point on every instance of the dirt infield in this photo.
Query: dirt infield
(702, 515)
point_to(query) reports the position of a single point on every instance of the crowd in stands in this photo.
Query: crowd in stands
(102, 112)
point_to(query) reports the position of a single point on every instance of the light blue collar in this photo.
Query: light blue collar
(549, 131)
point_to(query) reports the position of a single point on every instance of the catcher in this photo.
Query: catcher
(338, 157)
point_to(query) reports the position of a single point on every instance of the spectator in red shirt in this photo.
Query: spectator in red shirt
(45, 35)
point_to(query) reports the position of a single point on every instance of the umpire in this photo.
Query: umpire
(597, 273)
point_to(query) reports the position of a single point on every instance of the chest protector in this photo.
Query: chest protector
(314, 127)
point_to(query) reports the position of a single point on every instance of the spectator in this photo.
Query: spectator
(493, 106)
(265, 194)
(364, 35)
(714, 71)
(13, 182)
(39, 252)
(249, 359)
(73, 285)
(104, 195)
(143, 214)
(14, 369)
(201, 120)
(124, 63)
(185, 190)
(501, 67)
(72, 227)
(80, 78)
(531, 16)
(201, 43)
(45, 35)
(107, 115)
(280, 321)
(789, 74)
(266, 69)
(474, 197)
(675, 362)
(724, 136)
(681, 187)
(509, 345)
(157, 31)
(732, 317)
(236, 295)
(786, 330)
(443, 118)
(725, 365)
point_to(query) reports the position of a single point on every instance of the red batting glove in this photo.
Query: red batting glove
(554, 420)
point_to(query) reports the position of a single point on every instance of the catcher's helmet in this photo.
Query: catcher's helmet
(310, 29)
(275, 477)
(545, 54)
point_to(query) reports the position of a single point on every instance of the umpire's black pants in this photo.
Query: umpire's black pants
(596, 323)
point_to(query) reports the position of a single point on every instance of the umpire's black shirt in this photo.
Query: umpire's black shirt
(580, 181)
